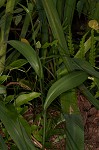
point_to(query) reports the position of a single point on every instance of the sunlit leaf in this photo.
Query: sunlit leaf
(25, 98)
(17, 64)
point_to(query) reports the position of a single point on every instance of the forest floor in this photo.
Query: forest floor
(91, 126)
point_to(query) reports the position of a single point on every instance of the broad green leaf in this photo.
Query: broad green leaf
(69, 103)
(74, 132)
(25, 98)
(17, 64)
(86, 66)
(15, 128)
(64, 84)
(2, 144)
(29, 53)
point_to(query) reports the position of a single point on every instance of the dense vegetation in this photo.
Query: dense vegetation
(49, 51)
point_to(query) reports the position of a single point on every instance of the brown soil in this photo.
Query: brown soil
(91, 123)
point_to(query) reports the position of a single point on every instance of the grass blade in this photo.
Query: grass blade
(57, 31)
(86, 66)
(69, 11)
(89, 96)
(5, 28)
(27, 20)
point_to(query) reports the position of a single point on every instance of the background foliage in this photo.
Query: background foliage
(49, 53)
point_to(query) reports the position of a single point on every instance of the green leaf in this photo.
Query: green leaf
(69, 102)
(86, 66)
(3, 78)
(17, 64)
(18, 10)
(89, 96)
(2, 3)
(2, 89)
(96, 80)
(2, 144)
(25, 98)
(64, 84)
(15, 128)
(55, 23)
(29, 53)
(9, 98)
(74, 132)
(25, 125)
(80, 5)
(18, 19)
(57, 30)
(87, 46)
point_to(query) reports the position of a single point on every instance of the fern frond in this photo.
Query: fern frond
(70, 42)
(82, 47)
(92, 49)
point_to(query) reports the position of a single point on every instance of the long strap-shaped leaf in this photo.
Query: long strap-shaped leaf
(89, 96)
(57, 30)
(29, 53)
(55, 24)
(2, 144)
(64, 84)
(4, 31)
(75, 133)
(15, 129)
